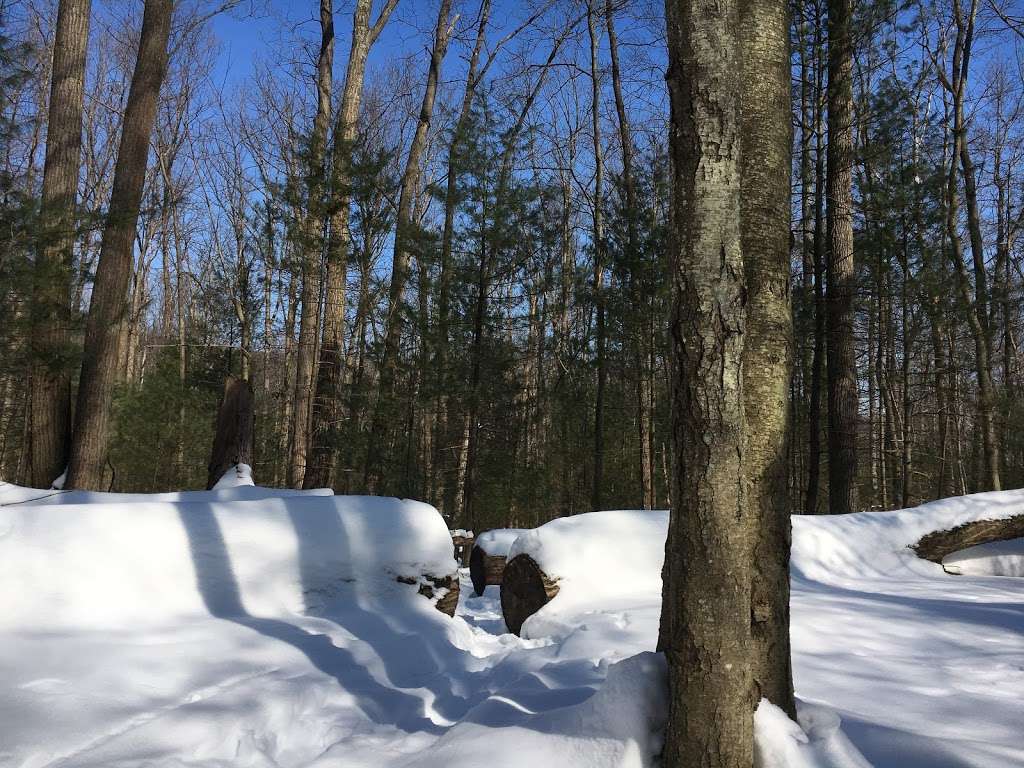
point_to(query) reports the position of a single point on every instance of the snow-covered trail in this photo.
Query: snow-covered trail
(227, 630)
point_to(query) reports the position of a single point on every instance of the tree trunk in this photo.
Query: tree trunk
(312, 252)
(766, 146)
(706, 607)
(49, 416)
(404, 234)
(234, 436)
(598, 244)
(326, 416)
(107, 308)
(841, 363)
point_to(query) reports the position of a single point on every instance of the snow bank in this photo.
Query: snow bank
(602, 561)
(11, 494)
(109, 565)
(997, 558)
(499, 541)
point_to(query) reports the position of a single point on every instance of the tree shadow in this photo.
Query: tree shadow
(218, 587)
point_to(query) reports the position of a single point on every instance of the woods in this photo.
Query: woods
(445, 279)
(739, 259)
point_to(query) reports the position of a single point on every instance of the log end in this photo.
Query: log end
(525, 589)
(485, 570)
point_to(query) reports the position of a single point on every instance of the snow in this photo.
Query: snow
(262, 628)
(499, 541)
(238, 476)
(997, 558)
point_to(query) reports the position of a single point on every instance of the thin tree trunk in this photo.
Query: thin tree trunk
(312, 252)
(841, 361)
(598, 243)
(404, 235)
(49, 416)
(107, 308)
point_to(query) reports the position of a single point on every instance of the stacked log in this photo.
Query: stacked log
(937, 545)
(485, 570)
(429, 584)
(525, 589)
(462, 541)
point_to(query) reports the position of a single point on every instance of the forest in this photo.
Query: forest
(442, 265)
(686, 335)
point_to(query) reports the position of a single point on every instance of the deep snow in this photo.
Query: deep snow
(255, 627)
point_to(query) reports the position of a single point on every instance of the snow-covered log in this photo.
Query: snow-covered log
(490, 552)
(574, 564)
(937, 545)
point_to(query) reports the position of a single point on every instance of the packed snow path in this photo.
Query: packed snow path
(249, 658)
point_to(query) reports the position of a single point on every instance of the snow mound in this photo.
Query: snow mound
(997, 558)
(237, 476)
(499, 541)
(816, 742)
(603, 562)
(121, 564)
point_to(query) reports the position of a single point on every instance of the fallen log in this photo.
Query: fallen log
(525, 589)
(488, 557)
(429, 584)
(937, 545)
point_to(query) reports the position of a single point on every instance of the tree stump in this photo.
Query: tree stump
(234, 436)
(485, 570)
(937, 545)
(448, 601)
(525, 589)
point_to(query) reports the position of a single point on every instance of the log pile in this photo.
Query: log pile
(448, 601)
(937, 545)
(525, 589)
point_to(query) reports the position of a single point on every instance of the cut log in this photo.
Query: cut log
(485, 570)
(234, 438)
(937, 545)
(525, 589)
(462, 541)
(448, 601)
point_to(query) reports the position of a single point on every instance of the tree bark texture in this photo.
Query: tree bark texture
(706, 606)
(109, 296)
(766, 148)
(841, 365)
(49, 414)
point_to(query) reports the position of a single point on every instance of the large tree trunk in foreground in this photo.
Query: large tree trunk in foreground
(706, 607)
(841, 365)
(234, 437)
(107, 308)
(768, 344)
(49, 414)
